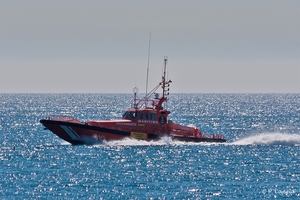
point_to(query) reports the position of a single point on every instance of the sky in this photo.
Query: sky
(96, 46)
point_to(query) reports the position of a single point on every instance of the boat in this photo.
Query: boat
(147, 119)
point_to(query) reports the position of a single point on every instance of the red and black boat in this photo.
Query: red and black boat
(146, 120)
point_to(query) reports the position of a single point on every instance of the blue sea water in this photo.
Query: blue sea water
(261, 159)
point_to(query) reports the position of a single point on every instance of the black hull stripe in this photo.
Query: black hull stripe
(190, 139)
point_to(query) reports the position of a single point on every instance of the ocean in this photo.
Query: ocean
(260, 160)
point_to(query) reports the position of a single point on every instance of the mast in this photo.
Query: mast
(165, 87)
(158, 101)
(148, 64)
(164, 77)
(135, 91)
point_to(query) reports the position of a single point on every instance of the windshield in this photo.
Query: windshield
(129, 115)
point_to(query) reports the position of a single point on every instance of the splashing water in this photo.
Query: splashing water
(260, 139)
(163, 141)
(270, 139)
(135, 142)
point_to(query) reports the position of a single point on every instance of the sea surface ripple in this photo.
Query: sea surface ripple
(261, 159)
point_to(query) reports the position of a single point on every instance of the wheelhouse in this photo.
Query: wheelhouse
(140, 115)
(150, 116)
(130, 115)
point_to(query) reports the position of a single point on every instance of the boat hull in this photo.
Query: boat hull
(78, 133)
(81, 133)
(195, 139)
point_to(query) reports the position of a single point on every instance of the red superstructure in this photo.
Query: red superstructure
(146, 120)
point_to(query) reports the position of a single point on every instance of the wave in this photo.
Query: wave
(259, 139)
(270, 139)
(164, 141)
(125, 142)
(134, 142)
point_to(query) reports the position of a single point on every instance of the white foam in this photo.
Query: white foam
(164, 141)
(259, 139)
(135, 142)
(192, 126)
(270, 139)
(62, 142)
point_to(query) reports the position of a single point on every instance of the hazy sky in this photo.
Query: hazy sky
(220, 46)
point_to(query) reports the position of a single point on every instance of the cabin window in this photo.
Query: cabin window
(141, 116)
(129, 115)
(134, 114)
(147, 116)
(153, 116)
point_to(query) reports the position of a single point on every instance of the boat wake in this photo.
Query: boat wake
(164, 141)
(270, 139)
(134, 142)
(260, 139)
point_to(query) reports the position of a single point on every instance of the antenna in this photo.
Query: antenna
(148, 64)
(164, 76)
